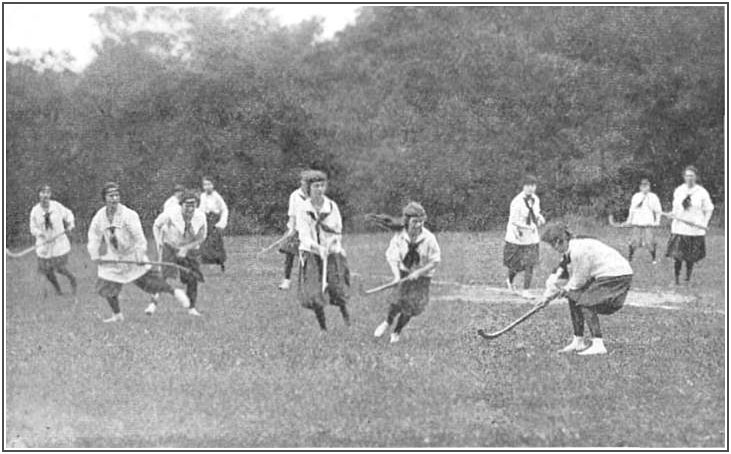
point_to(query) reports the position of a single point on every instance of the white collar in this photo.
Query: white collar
(405, 235)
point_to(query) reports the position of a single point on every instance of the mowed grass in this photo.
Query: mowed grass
(255, 371)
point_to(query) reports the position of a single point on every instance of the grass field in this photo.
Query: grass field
(255, 371)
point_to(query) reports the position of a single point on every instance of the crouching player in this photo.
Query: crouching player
(599, 279)
(413, 256)
(181, 232)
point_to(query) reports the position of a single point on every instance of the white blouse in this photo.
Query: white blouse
(296, 198)
(644, 210)
(310, 235)
(214, 203)
(428, 250)
(61, 219)
(592, 259)
(131, 242)
(699, 212)
(169, 227)
(518, 216)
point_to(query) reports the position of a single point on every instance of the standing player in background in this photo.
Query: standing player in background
(687, 243)
(173, 202)
(49, 223)
(413, 255)
(644, 215)
(116, 234)
(216, 211)
(521, 251)
(290, 247)
(599, 279)
(319, 227)
(181, 232)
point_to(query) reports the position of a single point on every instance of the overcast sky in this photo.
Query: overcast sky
(69, 27)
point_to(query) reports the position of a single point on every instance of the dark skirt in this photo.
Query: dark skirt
(688, 248)
(291, 245)
(411, 297)
(212, 251)
(53, 263)
(151, 282)
(604, 295)
(190, 261)
(518, 257)
(309, 289)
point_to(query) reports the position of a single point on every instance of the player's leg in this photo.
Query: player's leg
(288, 265)
(577, 323)
(110, 291)
(597, 342)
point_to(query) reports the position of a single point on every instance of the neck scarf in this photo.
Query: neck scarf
(113, 237)
(319, 226)
(686, 202)
(412, 259)
(639, 205)
(531, 219)
(47, 220)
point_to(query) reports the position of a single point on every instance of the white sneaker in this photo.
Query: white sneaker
(286, 283)
(381, 329)
(193, 311)
(395, 338)
(597, 348)
(114, 318)
(577, 344)
(181, 297)
(150, 308)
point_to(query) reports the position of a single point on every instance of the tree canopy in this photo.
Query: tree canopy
(445, 105)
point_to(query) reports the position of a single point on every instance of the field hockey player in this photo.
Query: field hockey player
(598, 282)
(413, 255)
(183, 230)
(116, 234)
(644, 216)
(290, 246)
(49, 222)
(216, 211)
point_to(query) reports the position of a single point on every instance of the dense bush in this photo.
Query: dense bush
(449, 106)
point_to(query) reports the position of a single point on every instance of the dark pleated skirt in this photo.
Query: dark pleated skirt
(290, 245)
(212, 251)
(411, 297)
(518, 257)
(604, 295)
(190, 261)
(309, 289)
(688, 248)
(53, 263)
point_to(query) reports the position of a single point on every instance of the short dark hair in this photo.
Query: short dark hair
(530, 179)
(692, 168)
(645, 181)
(109, 186)
(554, 232)
(207, 178)
(189, 195)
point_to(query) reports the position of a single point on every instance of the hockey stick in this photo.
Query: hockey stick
(198, 275)
(383, 287)
(269, 248)
(690, 223)
(19, 254)
(520, 320)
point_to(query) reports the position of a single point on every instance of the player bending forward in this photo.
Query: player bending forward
(180, 232)
(598, 281)
(413, 256)
(117, 230)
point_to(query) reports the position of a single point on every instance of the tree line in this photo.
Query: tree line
(445, 105)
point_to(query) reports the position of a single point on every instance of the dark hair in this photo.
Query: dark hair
(188, 195)
(43, 187)
(530, 180)
(645, 181)
(554, 232)
(691, 168)
(109, 187)
(207, 178)
(178, 188)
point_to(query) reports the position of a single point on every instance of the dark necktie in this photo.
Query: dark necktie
(639, 205)
(412, 259)
(319, 226)
(47, 221)
(188, 232)
(564, 266)
(113, 237)
(531, 219)
(686, 202)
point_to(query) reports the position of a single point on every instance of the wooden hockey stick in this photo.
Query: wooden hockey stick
(19, 254)
(271, 246)
(690, 223)
(383, 287)
(198, 275)
(624, 225)
(520, 320)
